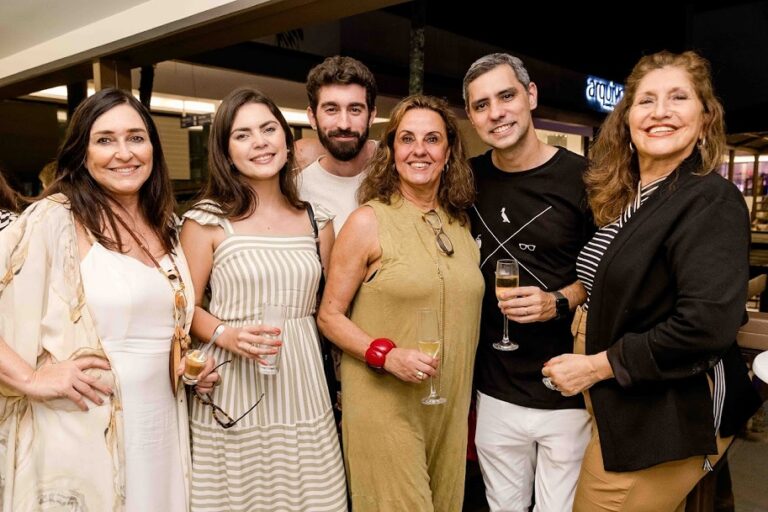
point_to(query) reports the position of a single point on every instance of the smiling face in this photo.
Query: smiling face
(342, 120)
(257, 143)
(421, 149)
(119, 153)
(499, 107)
(666, 119)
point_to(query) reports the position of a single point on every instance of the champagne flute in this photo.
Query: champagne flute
(507, 278)
(429, 343)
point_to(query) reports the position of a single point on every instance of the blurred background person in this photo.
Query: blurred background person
(667, 277)
(96, 290)
(47, 174)
(251, 241)
(408, 247)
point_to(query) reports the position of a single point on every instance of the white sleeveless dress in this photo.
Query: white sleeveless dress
(132, 305)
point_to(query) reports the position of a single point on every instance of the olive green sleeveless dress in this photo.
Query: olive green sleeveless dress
(402, 455)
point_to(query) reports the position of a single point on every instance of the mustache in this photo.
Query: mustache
(344, 133)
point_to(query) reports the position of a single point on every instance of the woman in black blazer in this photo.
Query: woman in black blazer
(667, 278)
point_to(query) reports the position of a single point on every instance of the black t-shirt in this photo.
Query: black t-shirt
(539, 217)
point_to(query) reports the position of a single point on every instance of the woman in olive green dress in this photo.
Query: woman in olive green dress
(407, 248)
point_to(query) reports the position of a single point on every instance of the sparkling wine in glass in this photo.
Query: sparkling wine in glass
(507, 278)
(429, 343)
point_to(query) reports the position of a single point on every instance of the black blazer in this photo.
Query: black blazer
(667, 300)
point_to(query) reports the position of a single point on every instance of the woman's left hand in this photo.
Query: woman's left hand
(573, 373)
(207, 378)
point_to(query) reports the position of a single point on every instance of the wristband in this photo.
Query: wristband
(216, 333)
(377, 353)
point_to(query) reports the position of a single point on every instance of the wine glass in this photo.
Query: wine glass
(429, 343)
(507, 278)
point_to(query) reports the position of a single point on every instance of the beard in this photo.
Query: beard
(343, 151)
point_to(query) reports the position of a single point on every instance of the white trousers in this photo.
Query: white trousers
(521, 448)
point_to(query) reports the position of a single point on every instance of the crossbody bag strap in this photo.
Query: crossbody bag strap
(315, 229)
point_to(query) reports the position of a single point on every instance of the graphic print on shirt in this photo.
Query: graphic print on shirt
(502, 245)
(504, 217)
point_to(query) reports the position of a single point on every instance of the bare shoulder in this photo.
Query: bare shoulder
(308, 150)
(362, 219)
(360, 232)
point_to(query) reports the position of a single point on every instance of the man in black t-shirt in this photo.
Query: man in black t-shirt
(531, 207)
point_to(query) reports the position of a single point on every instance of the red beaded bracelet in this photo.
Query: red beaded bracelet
(377, 353)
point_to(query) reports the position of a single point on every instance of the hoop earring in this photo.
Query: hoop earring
(447, 167)
(702, 142)
(631, 147)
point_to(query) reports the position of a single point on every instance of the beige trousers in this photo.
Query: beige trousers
(660, 488)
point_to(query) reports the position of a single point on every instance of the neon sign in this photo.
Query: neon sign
(601, 94)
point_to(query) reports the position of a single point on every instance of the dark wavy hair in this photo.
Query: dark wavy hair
(613, 171)
(456, 191)
(91, 205)
(226, 186)
(10, 199)
(339, 70)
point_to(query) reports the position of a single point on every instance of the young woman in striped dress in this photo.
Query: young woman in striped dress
(250, 242)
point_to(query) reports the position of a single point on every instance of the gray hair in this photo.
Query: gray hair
(491, 61)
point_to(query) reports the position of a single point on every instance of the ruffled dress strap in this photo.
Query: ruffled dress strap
(208, 213)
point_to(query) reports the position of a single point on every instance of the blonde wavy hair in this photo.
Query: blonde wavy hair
(611, 180)
(456, 191)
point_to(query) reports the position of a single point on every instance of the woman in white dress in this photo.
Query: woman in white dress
(252, 241)
(95, 291)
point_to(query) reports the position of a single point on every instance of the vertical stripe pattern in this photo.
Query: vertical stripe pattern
(284, 455)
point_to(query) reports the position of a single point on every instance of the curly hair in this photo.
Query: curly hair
(339, 70)
(91, 204)
(611, 180)
(456, 191)
(227, 186)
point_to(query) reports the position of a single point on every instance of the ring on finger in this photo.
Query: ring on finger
(420, 374)
(549, 384)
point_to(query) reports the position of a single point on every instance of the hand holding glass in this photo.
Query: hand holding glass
(194, 364)
(507, 279)
(429, 343)
(273, 316)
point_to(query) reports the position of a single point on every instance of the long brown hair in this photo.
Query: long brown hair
(613, 172)
(10, 199)
(92, 205)
(456, 191)
(227, 186)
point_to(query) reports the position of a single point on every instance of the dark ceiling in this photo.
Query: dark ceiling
(606, 39)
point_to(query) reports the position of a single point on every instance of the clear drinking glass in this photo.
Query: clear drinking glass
(429, 343)
(194, 364)
(507, 278)
(273, 315)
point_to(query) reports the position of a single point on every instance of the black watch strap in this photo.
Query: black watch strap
(562, 308)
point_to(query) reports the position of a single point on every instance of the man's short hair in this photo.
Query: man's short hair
(338, 70)
(491, 61)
